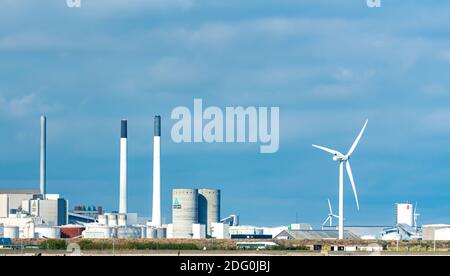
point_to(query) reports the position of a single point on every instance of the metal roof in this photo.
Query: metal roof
(315, 235)
(20, 192)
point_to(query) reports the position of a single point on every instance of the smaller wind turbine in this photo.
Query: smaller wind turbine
(330, 216)
(416, 215)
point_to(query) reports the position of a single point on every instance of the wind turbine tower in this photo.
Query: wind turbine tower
(344, 159)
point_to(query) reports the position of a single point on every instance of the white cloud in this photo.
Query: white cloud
(25, 105)
(437, 122)
(174, 72)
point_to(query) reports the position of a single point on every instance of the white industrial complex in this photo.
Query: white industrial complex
(196, 213)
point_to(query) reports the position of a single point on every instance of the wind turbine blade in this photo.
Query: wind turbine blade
(352, 149)
(336, 216)
(352, 181)
(334, 152)
(325, 222)
(329, 205)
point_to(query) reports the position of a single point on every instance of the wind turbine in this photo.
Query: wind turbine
(330, 216)
(341, 158)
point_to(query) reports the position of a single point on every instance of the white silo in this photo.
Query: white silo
(122, 220)
(405, 214)
(96, 231)
(102, 219)
(208, 208)
(112, 219)
(184, 212)
(29, 231)
(47, 232)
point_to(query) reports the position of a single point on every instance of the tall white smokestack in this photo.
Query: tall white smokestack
(43, 177)
(156, 215)
(123, 167)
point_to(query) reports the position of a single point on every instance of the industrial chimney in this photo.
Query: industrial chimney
(43, 184)
(156, 215)
(123, 168)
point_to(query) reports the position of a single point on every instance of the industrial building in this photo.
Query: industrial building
(53, 210)
(436, 232)
(364, 232)
(196, 213)
(114, 225)
(184, 212)
(314, 235)
(17, 204)
(11, 200)
(194, 207)
(208, 208)
(33, 213)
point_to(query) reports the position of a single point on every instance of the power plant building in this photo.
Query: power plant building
(209, 208)
(11, 200)
(53, 211)
(185, 212)
(194, 209)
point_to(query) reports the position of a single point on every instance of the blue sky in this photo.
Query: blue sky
(328, 65)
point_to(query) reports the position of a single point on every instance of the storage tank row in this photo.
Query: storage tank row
(30, 231)
(98, 231)
(113, 219)
(192, 206)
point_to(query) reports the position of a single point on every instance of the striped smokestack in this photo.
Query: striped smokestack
(156, 210)
(123, 167)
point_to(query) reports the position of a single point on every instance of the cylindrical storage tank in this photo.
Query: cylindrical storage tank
(161, 233)
(208, 208)
(184, 212)
(11, 232)
(128, 232)
(152, 233)
(29, 231)
(112, 219)
(47, 232)
(122, 220)
(102, 219)
(98, 232)
(143, 231)
(71, 231)
(235, 220)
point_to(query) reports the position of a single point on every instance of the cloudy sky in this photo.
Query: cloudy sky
(328, 65)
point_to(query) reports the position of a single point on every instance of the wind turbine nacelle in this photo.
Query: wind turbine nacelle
(336, 158)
